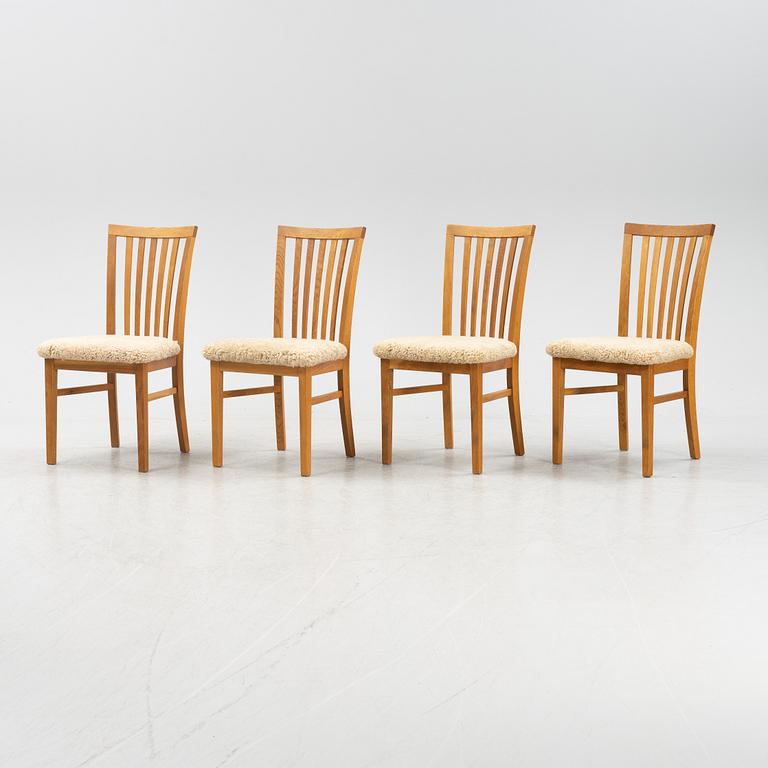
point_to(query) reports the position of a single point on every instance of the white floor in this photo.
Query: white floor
(411, 615)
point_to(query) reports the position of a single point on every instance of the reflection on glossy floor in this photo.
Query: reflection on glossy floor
(411, 615)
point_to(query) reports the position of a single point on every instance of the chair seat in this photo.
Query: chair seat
(293, 353)
(621, 349)
(109, 348)
(459, 350)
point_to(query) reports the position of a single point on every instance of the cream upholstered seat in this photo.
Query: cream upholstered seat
(461, 350)
(620, 349)
(109, 348)
(293, 353)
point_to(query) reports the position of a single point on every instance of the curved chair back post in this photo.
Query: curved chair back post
(663, 293)
(490, 301)
(154, 279)
(324, 270)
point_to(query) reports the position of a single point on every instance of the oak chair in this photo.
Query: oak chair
(322, 297)
(670, 281)
(490, 312)
(156, 262)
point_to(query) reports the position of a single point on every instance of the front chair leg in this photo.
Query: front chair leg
(646, 388)
(114, 425)
(621, 396)
(447, 411)
(142, 417)
(387, 375)
(51, 406)
(279, 413)
(558, 410)
(689, 402)
(305, 422)
(476, 413)
(177, 379)
(217, 413)
(515, 418)
(345, 409)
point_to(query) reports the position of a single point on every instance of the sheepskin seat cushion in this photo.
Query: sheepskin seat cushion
(294, 353)
(460, 350)
(110, 348)
(621, 349)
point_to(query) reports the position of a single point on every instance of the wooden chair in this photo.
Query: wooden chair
(325, 267)
(155, 279)
(489, 322)
(670, 280)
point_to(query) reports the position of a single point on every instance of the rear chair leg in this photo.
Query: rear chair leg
(515, 418)
(691, 421)
(114, 425)
(51, 405)
(447, 411)
(345, 409)
(142, 417)
(558, 410)
(621, 381)
(279, 413)
(177, 378)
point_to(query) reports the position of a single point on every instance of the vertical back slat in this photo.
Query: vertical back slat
(479, 243)
(169, 285)
(297, 248)
(651, 305)
(673, 286)
(684, 285)
(465, 283)
(337, 288)
(160, 283)
(318, 285)
(327, 287)
(127, 285)
(150, 285)
(307, 281)
(516, 310)
(139, 278)
(496, 284)
(111, 281)
(507, 282)
(277, 314)
(641, 284)
(491, 252)
(664, 286)
(694, 303)
(350, 285)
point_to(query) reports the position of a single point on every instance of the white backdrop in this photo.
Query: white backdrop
(401, 117)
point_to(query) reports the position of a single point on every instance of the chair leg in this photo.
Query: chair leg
(447, 411)
(387, 375)
(142, 417)
(691, 421)
(476, 412)
(646, 387)
(217, 414)
(515, 418)
(345, 409)
(558, 410)
(51, 407)
(177, 379)
(621, 381)
(305, 422)
(114, 424)
(279, 413)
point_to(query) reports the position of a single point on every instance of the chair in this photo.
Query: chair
(319, 341)
(489, 321)
(156, 263)
(667, 311)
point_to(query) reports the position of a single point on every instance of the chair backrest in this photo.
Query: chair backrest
(325, 266)
(670, 280)
(491, 301)
(155, 279)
